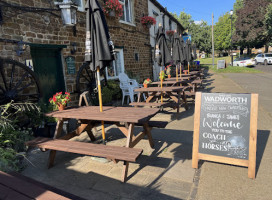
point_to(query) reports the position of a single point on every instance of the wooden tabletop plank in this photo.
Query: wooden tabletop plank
(168, 82)
(114, 114)
(159, 89)
(9, 194)
(28, 189)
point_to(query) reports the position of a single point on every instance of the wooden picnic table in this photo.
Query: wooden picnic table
(171, 82)
(175, 93)
(126, 118)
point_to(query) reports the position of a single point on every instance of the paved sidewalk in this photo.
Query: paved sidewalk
(225, 182)
(164, 172)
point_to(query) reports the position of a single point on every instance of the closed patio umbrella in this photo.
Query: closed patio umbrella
(162, 53)
(188, 50)
(99, 47)
(177, 51)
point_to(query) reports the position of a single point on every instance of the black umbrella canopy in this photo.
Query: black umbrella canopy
(188, 50)
(162, 53)
(99, 47)
(194, 51)
(177, 49)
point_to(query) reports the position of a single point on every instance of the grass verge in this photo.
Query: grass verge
(231, 69)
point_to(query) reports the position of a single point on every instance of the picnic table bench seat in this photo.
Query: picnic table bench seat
(16, 186)
(114, 153)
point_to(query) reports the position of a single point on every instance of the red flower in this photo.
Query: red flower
(54, 99)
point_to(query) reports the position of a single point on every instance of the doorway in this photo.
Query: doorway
(47, 63)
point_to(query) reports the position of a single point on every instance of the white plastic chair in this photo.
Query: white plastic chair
(127, 86)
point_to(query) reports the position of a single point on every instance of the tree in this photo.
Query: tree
(200, 33)
(251, 30)
(268, 24)
(222, 33)
(201, 36)
(185, 19)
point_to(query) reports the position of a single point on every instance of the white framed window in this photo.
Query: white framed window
(127, 11)
(117, 66)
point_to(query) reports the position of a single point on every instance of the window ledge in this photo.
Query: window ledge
(128, 23)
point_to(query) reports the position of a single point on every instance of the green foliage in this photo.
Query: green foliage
(12, 136)
(251, 29)
(9, 160)
(231, 69)
(201, 33)
(185, 19)
(268, 23)
(202, 36)
(110, 92)
(222, 33)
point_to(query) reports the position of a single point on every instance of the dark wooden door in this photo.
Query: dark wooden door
(47, 64)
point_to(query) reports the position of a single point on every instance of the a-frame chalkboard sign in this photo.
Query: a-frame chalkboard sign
(86, 97)
(225, 129)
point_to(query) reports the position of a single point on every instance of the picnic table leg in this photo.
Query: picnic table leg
(184, 100)
(128, 144)
(147, 130)
(89, 128)
(179, 96)
(52, 153)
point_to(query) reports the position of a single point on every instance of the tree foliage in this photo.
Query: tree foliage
(185, 19)
(200, 32)
(222, 33)
(251, 30)
(268, 23)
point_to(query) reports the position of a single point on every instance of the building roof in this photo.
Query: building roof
(164, 10)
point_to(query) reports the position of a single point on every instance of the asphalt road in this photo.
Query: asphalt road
(264, 68)
(260, 83)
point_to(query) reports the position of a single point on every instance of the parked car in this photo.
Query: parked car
(264, 58)
(243, 62)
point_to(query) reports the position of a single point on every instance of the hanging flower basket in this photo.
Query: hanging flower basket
(113, 8)
(170, 33)
(148, 21)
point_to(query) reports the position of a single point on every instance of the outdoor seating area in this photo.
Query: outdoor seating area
(130, 100)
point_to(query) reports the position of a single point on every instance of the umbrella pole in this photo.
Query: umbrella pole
(161, 77)
(188, 68)
(177, 72)
(100, 102)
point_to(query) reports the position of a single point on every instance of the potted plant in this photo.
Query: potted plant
(168, 71)
(113, 8)
(162, 75)
(146, 82)
(170, 33)
(147, 21)
(60, 100)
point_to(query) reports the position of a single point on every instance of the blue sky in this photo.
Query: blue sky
(199, 9)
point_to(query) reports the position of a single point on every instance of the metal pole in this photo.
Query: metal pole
(100, 104)
(231, 40)
(212, 43)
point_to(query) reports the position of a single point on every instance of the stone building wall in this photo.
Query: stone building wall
(45, 28)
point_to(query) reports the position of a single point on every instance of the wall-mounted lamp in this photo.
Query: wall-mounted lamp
(67, 7)
(74, 48)
(21, 48)
(68, 12)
